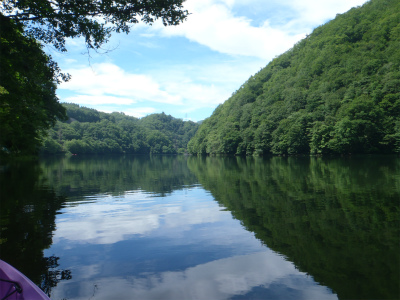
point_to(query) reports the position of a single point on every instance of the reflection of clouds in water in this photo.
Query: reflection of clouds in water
(193, 217)
(108, 221)
(220, 279)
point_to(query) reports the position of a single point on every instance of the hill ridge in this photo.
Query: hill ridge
(336, 91)
(88, 131)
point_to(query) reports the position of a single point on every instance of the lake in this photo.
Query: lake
(176, 227)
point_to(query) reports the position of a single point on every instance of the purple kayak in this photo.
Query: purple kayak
(16, 286)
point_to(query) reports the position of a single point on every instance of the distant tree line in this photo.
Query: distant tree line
(88, 131)
(336, 91)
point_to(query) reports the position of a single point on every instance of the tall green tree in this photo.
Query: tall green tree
(28, 102)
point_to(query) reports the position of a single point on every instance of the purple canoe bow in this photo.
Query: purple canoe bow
(16, 286)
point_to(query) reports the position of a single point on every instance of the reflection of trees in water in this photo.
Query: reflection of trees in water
(336, 219)
(32, 192)
(80, 175)
(53, 275)
(27, 219)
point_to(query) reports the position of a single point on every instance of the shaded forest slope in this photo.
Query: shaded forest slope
(89, 131)
(336, 91)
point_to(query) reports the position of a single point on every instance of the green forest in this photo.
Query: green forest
(88, 131)
(335, 92)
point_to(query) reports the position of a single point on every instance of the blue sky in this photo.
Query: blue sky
(188, 70)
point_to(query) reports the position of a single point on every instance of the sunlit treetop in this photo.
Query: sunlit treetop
(52, 21)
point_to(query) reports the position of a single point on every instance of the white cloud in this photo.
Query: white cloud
(98, 100)
(217, 280)
(317, 12)
(139, 112)
(204, 85)
(108, 88)
(106, 80)
(214, 24)
(198, 95)
(108, 221)
(148, 35)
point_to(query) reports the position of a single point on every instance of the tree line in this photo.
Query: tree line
(88, 131)
(335, 92)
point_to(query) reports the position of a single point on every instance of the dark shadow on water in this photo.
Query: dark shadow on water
(27, 218)
(337, 219)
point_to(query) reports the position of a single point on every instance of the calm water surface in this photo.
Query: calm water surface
(126, 227)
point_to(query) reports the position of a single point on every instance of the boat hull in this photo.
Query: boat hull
(16, 286)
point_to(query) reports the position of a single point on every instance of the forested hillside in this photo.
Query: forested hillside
(90, 131)
(336, 91)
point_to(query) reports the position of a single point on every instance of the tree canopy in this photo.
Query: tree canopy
(88, 131)
(52, 21)
(336, 91)
(28, 102)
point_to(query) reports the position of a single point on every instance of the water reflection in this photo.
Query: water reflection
(80, 176)
(180, 246)
(262, 275)
(27, 220)
(335, 218)
(131, 227)
(112, 219)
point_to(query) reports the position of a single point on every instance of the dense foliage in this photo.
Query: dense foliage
(28, 102)
(94, 20)
(94, 132)
(336, 91)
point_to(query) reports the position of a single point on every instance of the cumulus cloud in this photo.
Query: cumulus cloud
(217, 25)
(316, 12)
(99, 100)
(107, 81)
(214, 25)
(138, 112)
(106, 222)
(108, 87)
(217, 280)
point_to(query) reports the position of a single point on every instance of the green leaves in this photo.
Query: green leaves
(337, 91)
(89, 131)
(28, 103)
(94, 20)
